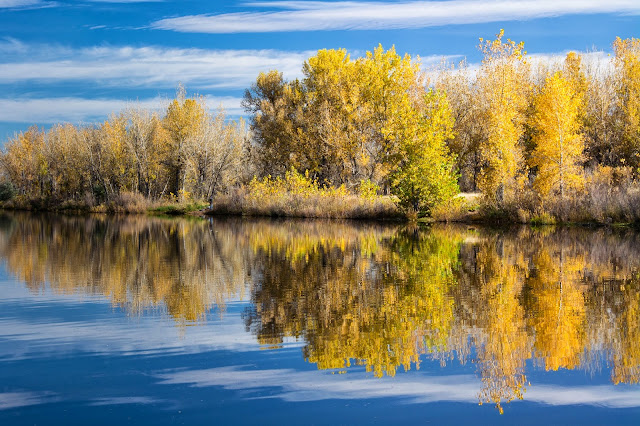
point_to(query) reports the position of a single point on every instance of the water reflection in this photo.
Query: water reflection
(382, 297)
(183, 267)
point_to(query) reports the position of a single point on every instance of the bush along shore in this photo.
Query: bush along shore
(374, 137)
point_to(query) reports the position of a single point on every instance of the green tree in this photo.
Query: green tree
(424, 177)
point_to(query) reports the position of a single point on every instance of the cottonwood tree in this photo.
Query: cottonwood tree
(559, 142)
(468, 128)
(627, 61)
(503, 87)
(183, 121)
(424, 177)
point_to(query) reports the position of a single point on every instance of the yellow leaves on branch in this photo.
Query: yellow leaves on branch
(559, 141)
(503, 84)
(628, 68)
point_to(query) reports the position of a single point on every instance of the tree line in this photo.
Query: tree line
(186, 153)
(525, 133)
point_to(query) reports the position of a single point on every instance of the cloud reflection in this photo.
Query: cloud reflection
(10, 400)
(297, 386)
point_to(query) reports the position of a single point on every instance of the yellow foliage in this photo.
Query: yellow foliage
(504, 87)
(559, 141)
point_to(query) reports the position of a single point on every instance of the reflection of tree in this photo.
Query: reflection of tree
(363, 294)
(614, 325)
(380, 308)
(501, 339)
(182, 266)
(557, 310)
(383, 301)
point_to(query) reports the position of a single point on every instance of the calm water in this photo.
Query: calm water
(175, 321)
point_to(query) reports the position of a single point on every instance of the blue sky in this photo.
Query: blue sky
(78, 61)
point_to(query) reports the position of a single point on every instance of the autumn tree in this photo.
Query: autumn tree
(183, 121)
(424, 176)
(214, 156)
(627, 61)
(24, 163)
(145, 135)
(468, 130)
(503, 87)
(269, 101)
(601, 131)
(559, 142)
(338, 121)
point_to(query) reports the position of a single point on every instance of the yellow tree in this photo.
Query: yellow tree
(339, 122)
(113, 165)
(468, 129)
(628, 66)
(184, 120)
(559, 142)
(572, 71)
(503, 87)
(271, 103)
(24, 162)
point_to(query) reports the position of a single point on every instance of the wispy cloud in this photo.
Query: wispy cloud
(126, 1)
(16, 4)
(78, 110)
(155, 67)
(352, 15)
(144, 66)
(314, 385)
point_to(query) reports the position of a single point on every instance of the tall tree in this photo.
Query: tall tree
(424, 176)
(628, 90)
(184, 120)
(559, 141)
(503, 86)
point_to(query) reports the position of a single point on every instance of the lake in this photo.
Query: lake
(129, 320)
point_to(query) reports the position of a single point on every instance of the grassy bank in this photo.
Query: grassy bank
(125, 203)
(603, 205)
(606, 199)
(299, 196)
(241, 202)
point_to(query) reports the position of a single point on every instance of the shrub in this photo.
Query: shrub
(297, 195)
(128, 202)
(7, 191)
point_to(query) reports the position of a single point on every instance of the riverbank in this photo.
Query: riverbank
(125, 203)
(465, 208)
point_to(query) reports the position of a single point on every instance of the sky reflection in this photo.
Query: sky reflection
(314, 314)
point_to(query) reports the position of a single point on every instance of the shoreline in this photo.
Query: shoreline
(176, 211)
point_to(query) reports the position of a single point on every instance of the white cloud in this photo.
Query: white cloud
(144, 66)
(77, 110)
(126, 1)
(5, 4)
(351, 15)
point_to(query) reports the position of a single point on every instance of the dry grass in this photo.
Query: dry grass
(299, 196)
(462, 208)
(287, 204)
(610, 195)
(128, 202)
